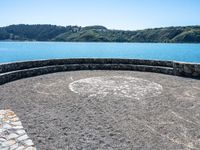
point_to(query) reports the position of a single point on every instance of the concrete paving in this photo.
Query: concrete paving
(107, 110)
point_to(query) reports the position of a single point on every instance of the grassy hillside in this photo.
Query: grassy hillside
(189, 34)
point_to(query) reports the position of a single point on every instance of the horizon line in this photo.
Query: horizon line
(104, 26)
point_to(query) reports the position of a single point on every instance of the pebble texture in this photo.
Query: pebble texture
(12, 134)
(119, 86)
(57, 118)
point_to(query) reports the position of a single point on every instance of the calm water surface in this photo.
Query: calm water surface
(22, 51)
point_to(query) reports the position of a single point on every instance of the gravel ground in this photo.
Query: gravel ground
(107, 110)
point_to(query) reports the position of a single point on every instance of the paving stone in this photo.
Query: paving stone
(12, 134)
(20, 132)
(28, 142)
(21, 138)
(18, 123)
(12, 147)
(30, 148)
(17, 127)
(20, 148)
(9, 142)
(5, 148)
(2, 139)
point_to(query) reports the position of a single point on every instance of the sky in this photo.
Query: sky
(114, 14)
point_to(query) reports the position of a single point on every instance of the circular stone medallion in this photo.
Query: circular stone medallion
(119, 86)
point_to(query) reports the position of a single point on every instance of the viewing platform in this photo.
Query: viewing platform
(104, 103)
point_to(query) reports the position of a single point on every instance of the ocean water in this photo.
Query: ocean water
(23, 51)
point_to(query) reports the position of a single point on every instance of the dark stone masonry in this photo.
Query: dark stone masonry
(186, 69)
(18, 70)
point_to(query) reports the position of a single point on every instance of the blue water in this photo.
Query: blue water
(22, 51)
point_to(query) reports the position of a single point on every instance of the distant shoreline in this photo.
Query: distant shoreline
(15, 41)
(53, 33)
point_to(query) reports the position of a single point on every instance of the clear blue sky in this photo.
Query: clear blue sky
(114, 14)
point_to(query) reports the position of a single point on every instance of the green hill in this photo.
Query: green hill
(189, 34)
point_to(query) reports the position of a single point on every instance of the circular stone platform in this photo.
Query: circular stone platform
(107, 110)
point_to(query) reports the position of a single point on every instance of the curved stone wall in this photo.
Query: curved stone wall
(18, 70)
(52, 62)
